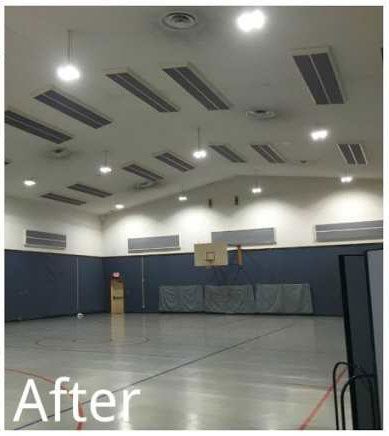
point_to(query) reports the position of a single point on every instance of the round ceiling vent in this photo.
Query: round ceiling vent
(261, 114)
(144, 185)
(59, 153)
(179, 20)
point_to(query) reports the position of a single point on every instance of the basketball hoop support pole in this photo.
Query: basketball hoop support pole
(239, 255)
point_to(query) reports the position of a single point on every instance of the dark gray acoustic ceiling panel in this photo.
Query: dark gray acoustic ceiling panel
(195, 85)
(63, 199)
(142, 172)
(154, 243)
(354, 231)
(269, 153)
(319, 74)
(89, 190)
(353, 154)
(74, 109)
(228, 153)
(142, 90)
(36, 128)
(54, 241)
(174, 161)
(251, 237)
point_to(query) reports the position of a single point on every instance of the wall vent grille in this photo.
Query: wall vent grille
(35, 238)
(354, 231)
(251, 237)
(154, 243)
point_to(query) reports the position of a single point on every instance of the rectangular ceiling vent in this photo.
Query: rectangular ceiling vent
(355, 231)
(143, 91)
(36, 128)
(228, 153)
(155, 243)
(89, 190)
(74, 109)
(174, 161)
(319, 73)
(251, 237)
(54, 241)
(193, 83)
(269, 153)
(142, 172)
(63, 199)
(353, 154)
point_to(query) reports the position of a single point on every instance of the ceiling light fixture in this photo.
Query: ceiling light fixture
(249, 21)
(199, 153)
(319, 135)
(346, 179)
(29, 182)
(256, 190)
(105, 169)
(182, 197)
(69, 72)
(119, 206)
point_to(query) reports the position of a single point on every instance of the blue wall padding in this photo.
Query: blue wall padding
(229, 299)
(317, 266)
(42, 285)
(93, 296)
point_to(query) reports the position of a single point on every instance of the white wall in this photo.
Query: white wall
(83, 230)
(292, 205)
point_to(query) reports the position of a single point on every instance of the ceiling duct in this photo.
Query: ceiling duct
(174, 161)
(353, 154)
(228, 153)
(142, 90)
(318, 71)
(194, 84)
(74, 109)
(89, 190)
(63, 199)
(142, 172)
(147, 184)
(36, 128)
(269, 153)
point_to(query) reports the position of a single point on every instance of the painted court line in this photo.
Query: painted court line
(323, 399)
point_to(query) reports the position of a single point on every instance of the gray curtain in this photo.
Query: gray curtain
(229, 299)
(181, 298)
(292, 298)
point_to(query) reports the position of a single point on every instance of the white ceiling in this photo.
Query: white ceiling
(252, 70)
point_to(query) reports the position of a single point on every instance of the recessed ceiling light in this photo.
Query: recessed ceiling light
(249, 21)
(68, 73)
(182, 197)
(346, 179)
(319, 135)
(256, 190)
(105, 169)
(29, 182)
(119, 206)
(200, 153)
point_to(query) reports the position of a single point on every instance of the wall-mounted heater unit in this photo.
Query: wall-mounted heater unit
(53, 241)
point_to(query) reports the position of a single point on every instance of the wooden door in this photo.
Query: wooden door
(117, 295)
